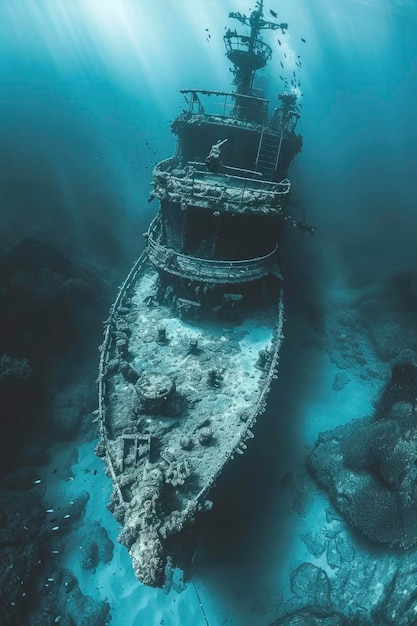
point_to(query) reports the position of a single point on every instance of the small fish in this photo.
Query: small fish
(55, 528)
(303, 40)
(279, 42)
(282, 65)
(294, 74)
(55, 471)
(285, 56)
(273, 13)
(281, 77)
(36, 482)
(207, 29)
(95, 472)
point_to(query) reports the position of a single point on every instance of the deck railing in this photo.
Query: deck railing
(243, 43)
(223, 104)
(206, 270)
(239, 194)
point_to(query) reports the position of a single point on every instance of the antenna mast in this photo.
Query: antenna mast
(249, 53)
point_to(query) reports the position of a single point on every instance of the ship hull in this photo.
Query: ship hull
(178, 398)
(192, 342)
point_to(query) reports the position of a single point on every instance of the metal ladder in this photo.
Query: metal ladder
(267, 157)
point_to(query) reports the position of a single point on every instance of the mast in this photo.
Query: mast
(249, 53)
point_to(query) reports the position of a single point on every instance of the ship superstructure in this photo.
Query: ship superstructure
(192, 341)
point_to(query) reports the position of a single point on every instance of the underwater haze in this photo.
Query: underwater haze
(86, 84)
(89, 88)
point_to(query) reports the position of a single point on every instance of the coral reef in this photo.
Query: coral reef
(369, 467)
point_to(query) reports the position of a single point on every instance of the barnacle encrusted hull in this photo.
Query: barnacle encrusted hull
(177, 400)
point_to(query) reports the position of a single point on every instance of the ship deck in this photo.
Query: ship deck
(231, 350)
(172, 461)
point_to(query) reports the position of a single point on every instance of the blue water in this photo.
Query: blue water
(88, 89)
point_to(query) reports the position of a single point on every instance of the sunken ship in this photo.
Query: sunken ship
(192, 341)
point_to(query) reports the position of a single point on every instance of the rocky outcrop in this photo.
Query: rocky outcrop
(311, 585)
(369, 469)
(369, 466)
(308, 618)
(95, 545)
(48, 309)
(30, 531)
(62, 602)
(21, 525)
(68, 406)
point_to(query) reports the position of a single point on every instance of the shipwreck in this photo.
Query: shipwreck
(192, 341)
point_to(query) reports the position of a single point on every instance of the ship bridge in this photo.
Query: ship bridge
(256, 141)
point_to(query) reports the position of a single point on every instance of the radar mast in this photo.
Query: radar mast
(249, 53)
